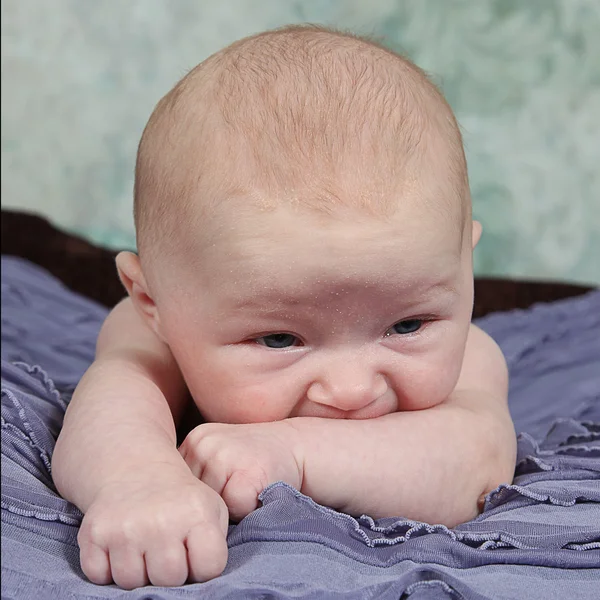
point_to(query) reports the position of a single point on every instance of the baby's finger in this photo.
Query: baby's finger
(214, 477)
(195, 466)
(167, 564)
(128, 567)
(240, 493)
(207, 552)
(94, 563)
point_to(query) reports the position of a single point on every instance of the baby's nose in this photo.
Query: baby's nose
(348, 387)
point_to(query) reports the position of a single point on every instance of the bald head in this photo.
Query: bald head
(304, 116)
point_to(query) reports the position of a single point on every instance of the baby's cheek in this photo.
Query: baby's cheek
(226, 403)
(425, 388)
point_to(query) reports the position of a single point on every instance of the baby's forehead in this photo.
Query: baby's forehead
(285, 259)
(243, 232)
(420, 196)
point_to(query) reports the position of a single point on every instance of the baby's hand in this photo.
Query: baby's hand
(154, 528)
(239, 461)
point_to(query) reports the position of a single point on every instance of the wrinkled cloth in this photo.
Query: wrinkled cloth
(536, 538)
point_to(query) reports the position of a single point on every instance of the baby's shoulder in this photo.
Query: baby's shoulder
(480, 340)
(484, 365)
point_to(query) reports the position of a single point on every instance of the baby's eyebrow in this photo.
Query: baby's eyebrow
(264, 301)
(270, 300)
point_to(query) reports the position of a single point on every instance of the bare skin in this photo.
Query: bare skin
(333, 425)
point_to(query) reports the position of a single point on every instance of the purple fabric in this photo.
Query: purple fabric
(538, 538)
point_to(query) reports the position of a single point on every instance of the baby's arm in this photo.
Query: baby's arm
(433, 465)
(116, 459)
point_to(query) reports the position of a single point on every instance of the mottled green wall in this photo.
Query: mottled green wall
(80, 78)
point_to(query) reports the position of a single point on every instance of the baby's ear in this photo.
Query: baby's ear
(130, 273)
(476, 233)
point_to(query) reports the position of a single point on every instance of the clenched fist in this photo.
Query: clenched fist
(159, 528)
(239, 461)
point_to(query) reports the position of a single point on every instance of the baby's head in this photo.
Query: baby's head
(304, 231)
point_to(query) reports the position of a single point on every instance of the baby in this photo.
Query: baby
(305, 273)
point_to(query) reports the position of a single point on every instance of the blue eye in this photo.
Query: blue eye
(408, 326)
(277, 340)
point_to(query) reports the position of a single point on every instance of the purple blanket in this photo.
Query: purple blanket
(538, 538)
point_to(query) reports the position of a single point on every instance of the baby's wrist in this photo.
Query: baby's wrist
(296, 443)
(166, 470)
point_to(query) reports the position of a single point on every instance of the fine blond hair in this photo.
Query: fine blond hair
(303, 114)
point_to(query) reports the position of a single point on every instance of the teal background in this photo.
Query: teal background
(80, 78)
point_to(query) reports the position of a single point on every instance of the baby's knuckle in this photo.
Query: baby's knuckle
(193, 438)
(251, 480)
(203, 432)
(221, 462)
(164, 523)
(209, 445)
(94, 531)
(207, 511)
(194, 452)
(205, 448)
(259, 476)
(131, 529)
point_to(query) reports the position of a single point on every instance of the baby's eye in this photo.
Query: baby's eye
(408, 326)
(278, 340)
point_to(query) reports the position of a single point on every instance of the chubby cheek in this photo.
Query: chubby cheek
(426, 391)
(427, 383)
(229, 388)
(224, 396)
